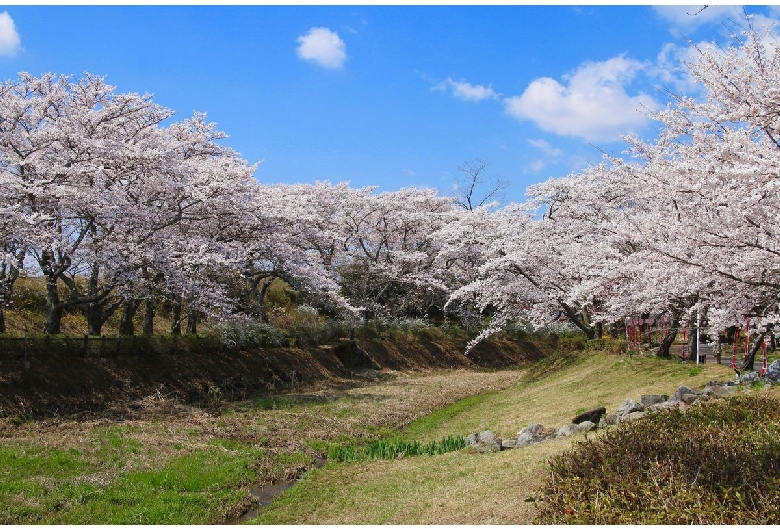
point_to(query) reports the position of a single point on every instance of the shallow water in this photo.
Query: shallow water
(265, 494)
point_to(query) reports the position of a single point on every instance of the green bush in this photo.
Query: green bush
(717, 463)
(390, 449)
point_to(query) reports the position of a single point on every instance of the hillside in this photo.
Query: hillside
(198, 373)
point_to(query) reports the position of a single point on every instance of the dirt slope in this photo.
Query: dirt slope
(50, 385)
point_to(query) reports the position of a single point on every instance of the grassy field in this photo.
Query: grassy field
(163, 462)
(466, 487)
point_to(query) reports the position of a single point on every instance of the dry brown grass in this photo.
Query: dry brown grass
(456, 488)
(162, 429)
(470, 488)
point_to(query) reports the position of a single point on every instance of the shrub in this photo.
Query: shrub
(248, 334)
(717, 463)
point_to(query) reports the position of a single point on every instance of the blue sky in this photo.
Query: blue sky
(391, 96)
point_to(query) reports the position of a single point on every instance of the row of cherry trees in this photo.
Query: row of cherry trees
(119, 209)
(687, 226)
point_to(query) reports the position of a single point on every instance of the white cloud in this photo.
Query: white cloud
(324, 47)
(466, 91)
(593, 104)
(545, 147)
(689, 17)
(536, 166)
(9, 38)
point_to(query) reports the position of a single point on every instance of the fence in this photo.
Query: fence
(91, 346)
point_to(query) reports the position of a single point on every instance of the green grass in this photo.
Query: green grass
(399, 448)
(464, 487)
(54, 486)
(423, 427)
(192, 467)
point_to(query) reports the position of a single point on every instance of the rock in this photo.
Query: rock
(486, 437)
(531, 434)
(773, 371)
(688, 399)
(488, 448)
(610, 419)
(567, 430)
(574, 428)
(593, 416)
(484, 442)
(750, 377)
(508, 444)
(718, 391)
(663, 406)
(628, 406)
(682, 391)
(653, 399)
(631, 416)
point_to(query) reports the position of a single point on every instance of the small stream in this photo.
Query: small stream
(267, 493)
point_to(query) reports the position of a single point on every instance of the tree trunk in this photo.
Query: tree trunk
(664, 350)
(9, 273)
(148, 317)
(176, 318)
(580, 320)
(261, 300)
(693, 352)
(599, 328)
(126, 324)
(719, 350)
(54, 308)
(615, 329)
(751, 358)
(5, 298)
(192, 322)
(93, 314)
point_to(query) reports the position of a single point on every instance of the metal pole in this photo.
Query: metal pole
(698, 330)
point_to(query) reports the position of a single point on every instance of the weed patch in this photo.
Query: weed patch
(716, 463)
(392, 449)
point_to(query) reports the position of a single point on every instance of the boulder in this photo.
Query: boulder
(593, 416)
(653, 399)
(773, 371)
(508, 444)
(662, 406)
(718, 391)
(689, 399)
(628, 406)
(486, 437)
(531, 434)
(574, 428)
(484, 442)
(631, 416)
(682, 391)
(610, 419)
(750, 377)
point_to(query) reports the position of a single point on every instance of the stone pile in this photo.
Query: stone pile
(683, 397)
(772, 375)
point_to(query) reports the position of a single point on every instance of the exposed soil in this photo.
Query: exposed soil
(56, 385)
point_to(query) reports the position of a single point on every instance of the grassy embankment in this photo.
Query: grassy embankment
(169, 463)
(469, 488)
